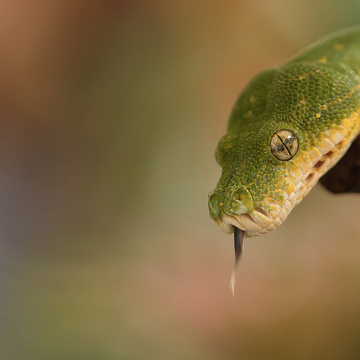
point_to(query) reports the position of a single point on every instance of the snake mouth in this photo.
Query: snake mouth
(304, 171)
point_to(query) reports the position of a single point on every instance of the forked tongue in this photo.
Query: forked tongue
(239, 246)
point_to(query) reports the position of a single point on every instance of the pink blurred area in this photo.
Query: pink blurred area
(110, 112)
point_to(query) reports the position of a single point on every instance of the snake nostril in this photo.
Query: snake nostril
(239, 197)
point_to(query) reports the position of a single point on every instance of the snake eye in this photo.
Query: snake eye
(284, 145)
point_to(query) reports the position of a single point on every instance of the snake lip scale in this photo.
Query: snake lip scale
(322, 158)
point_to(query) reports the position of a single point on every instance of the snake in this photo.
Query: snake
(288, 127)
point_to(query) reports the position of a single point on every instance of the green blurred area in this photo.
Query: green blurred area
(110, 115)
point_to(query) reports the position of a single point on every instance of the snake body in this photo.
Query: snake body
(289, 126)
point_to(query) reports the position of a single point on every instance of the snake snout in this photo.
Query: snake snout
(231, 203)
(236, 209)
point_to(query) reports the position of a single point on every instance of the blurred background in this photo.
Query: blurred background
(110, 112)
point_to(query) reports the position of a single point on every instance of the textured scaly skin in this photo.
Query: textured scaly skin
(316, 95)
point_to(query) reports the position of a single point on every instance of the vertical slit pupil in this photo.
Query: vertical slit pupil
(287, 149)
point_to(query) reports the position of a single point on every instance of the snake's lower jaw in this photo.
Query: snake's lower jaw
(253, 224)
(260, 221)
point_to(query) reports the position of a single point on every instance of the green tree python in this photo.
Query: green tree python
(289, 126)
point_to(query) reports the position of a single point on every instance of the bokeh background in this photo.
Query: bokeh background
(110, 112)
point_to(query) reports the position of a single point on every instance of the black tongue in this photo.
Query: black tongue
(239, 246)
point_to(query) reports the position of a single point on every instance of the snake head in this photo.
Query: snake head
(250, 194)
(288, 127)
